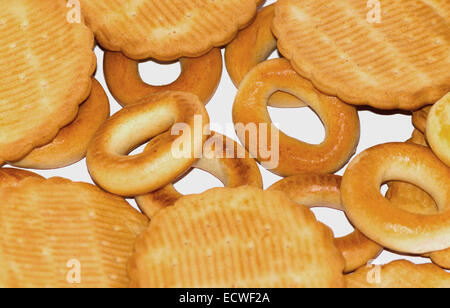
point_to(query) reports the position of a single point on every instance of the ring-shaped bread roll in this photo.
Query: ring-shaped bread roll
(413, 199)
(438, 129)
(419, 118)
(252, 46)
(250, 112)
(72, 141)
(222, 157)
(199, 76)
(136, 175)
(314, 190)
(377, 218)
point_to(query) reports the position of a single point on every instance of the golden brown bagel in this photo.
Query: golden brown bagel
(71, 143)
(314, 190)
(10, 177)
(200, 76)
(438, 129)
(118, 173)
(341, 121)
(388, 225)
(419, 118)
(252, 46)
(220, 158)
(413, 199)
(399, 274)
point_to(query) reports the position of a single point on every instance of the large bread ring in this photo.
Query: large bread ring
(252, 46)
(71, 143)
(222, 162)
(384, 223)
(200, 76)
(438, 129)
(313, 190)
(413, 199)
(341, 121)
(399, 274)
(419, 118)
(134, 125)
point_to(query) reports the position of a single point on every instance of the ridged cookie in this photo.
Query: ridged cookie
(56, 233)
(169, 29)
(400, 62)
(241, 237)
(46, 64)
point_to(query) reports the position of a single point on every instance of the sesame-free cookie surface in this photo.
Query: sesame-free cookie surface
(394, 57)
(46, 65)
(56, 233)
(169, 29)
(236, 237)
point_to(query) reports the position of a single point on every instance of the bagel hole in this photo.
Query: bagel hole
(384, 189)
(197, 181)
(159, 73)
(299, 123)
(335, 220)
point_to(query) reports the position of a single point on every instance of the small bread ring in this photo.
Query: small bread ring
(413, 199)
(252, 46)
(399, 274)
(71, 143)
(419, 118)
(134, 125)
(199, 76)
(250, 109)
(438, 129)
(313, 190)
(222, 162)
(10, 177)
(388, 225)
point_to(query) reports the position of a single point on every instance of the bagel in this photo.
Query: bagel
(419, 118)
(71, 143)
(134, 125)
(252, 46)
(413, 199)
(374, 215)
(200, 76)
(399, 274)
(438, 129)
(314, 190)
(220, 158)
(250, 109)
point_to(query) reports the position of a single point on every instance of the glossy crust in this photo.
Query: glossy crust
(222, 157)
(53, 229)
(438, 129)
(71, 143)
(419, 118)
(200, 76)
(131, 127)
(313, 190)
(49, 64)
(413, 199)
(236, 237)
(399, 63)
(10, 177)
(250, 109)
(399, 274)
(388, 225)
(166, 30)
(252, 46)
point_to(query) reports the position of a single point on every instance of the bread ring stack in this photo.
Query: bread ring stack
(250, 110)
(134, 125)
(221, 159)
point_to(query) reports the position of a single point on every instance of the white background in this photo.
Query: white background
(300, 123)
